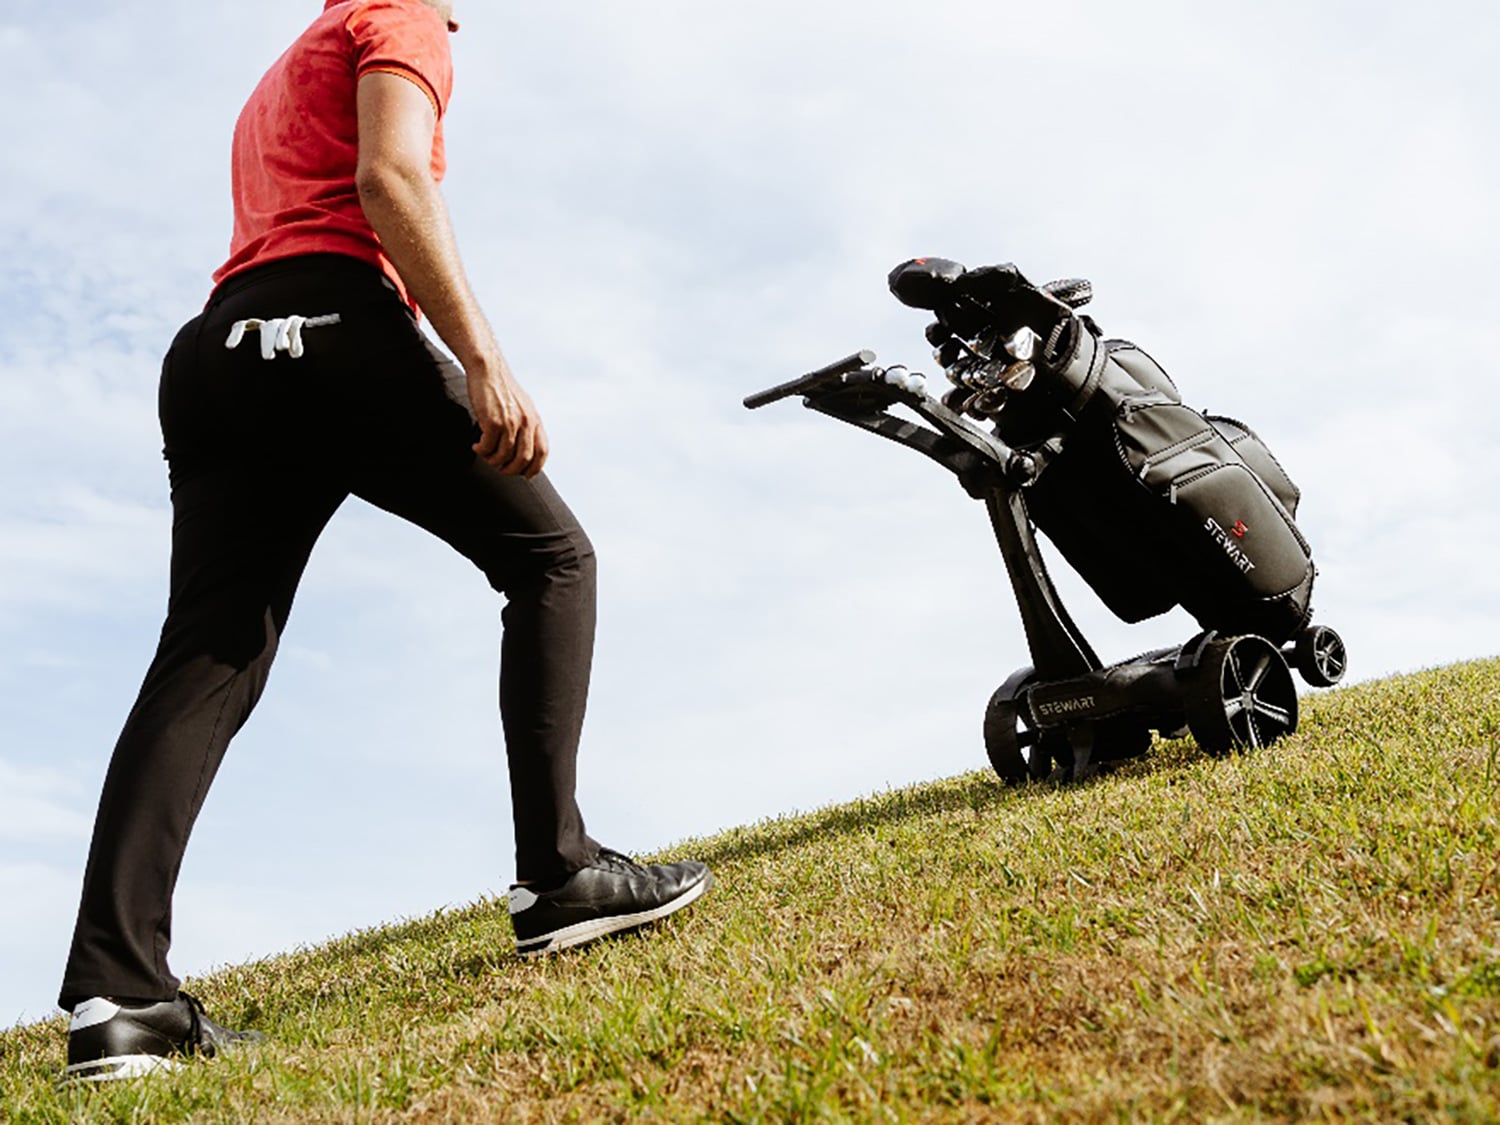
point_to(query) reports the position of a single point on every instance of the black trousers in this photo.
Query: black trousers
(260, 454)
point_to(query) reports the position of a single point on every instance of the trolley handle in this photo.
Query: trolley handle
(831, 375)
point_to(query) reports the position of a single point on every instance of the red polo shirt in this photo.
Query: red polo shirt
(296, 143)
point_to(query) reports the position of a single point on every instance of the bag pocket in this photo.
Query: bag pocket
(1164, 442)
(1255, 453)
(1238, 559)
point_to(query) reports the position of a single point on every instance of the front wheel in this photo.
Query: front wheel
(1319, 656)
(1241, 696)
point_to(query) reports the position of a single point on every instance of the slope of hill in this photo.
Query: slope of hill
(1309, 931)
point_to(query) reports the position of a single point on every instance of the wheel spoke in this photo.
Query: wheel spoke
(1254, 731)
(1328, 657)
(1258, 673)
(1242, 729)
(1279, 715)
(1233, 708)
(1232, 663)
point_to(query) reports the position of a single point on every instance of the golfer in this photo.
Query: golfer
(305, 380)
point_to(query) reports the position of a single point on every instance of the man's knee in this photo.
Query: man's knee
(573, 558)
(561, 558)
(239, 637)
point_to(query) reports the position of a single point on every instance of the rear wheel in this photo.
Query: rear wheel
(1241, 696)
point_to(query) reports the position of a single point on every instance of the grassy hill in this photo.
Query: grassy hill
(1313, 931)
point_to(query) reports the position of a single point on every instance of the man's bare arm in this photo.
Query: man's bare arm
(406, 210)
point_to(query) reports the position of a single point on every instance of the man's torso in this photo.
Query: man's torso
(296, 144)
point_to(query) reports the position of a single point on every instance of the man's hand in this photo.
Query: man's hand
(511, 435)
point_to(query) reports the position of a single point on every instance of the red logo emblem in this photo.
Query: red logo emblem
(1239, 529)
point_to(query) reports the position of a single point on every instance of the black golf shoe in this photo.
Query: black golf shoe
(109, 1041)
(611, 895)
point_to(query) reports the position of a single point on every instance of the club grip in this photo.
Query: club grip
(833, 373)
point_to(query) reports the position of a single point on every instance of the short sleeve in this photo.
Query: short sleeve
(405, 37)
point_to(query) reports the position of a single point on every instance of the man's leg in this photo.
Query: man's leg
(530, 548)
(240, 541)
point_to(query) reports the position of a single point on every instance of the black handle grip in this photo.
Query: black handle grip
(833, 373)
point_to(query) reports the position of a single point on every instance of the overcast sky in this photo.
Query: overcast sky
(664, 206)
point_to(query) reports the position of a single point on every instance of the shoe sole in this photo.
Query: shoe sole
(593, 929)
(118, 1068)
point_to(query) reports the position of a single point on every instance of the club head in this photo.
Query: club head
(948, 354)
(1019, 375)
(957, 400)
(925, 283)
(986, 404)
(1022, 343)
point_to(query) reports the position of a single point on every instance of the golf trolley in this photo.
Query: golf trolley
(1156, 505)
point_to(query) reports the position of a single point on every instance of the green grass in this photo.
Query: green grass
(1310, 932)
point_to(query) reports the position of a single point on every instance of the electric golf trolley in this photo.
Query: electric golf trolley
(1155, 505)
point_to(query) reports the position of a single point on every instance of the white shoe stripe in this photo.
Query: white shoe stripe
(117, 1068)
(521, 898)
(580, 932)
(93, 1012)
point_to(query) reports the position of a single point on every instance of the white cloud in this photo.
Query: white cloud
(42, 900)
(87, 551)
(38, 804)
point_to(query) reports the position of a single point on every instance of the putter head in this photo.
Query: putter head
(925, 283)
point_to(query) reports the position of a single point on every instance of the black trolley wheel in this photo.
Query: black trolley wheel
(1320, 656)
(1017, 750)
(1241, 696)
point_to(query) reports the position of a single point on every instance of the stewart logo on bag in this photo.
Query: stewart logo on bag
(1231, 548)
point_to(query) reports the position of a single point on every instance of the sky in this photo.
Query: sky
(665, 206)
